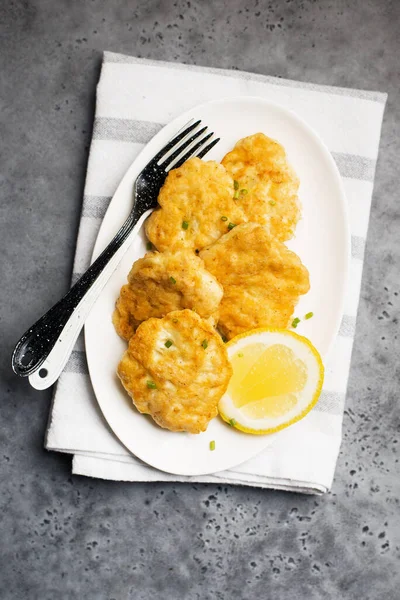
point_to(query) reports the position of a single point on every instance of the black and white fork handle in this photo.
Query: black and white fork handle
(43, 351)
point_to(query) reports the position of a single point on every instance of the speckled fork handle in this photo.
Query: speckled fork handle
(44, 349)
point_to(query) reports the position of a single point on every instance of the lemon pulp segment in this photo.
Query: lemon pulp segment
(266, 381)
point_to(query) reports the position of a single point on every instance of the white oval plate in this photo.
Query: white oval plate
(322, 242)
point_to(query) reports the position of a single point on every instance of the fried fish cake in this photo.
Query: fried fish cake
(267, 184)
(262, 279)
(176, 369)
(197, 206)
(162, 282)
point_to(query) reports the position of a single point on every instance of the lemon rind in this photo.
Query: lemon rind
(309, 406)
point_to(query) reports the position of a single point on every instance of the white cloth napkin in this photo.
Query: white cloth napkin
(135, 98)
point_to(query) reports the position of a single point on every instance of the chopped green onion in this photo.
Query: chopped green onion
(271, 202)
(174, 320)
(172, 280)
(235, 185)
(168, 344)
(232, 422)
(240, 355)
(295, 322)
(309, 315)
(185, 224)
(231, 226)
(244, 192)
(236, 195)
(204, 343)
(212, 445)
(224, 218)
(151, 385)
(224, 339)
(149, 246)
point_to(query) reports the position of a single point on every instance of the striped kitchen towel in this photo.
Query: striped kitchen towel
(135, 98)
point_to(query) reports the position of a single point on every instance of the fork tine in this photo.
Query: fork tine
(207, 149)
(180, 159)
(175, 140)
(170, 158)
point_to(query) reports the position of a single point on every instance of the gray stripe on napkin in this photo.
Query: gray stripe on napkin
(111, 57)
(330, 402)
(124, 130)
(355, 166)
(141, 132)
(357, 247)
(347, 326)
(77, 363)
(95, 206)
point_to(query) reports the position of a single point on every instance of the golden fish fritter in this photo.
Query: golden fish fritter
(197, 206)
(176, 369)
(262, 279)
(267, 185)
(162, 282)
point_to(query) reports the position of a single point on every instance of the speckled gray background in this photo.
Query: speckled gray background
(66, 537)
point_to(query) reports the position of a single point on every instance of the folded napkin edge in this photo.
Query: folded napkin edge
(362, 94)
(85, 466)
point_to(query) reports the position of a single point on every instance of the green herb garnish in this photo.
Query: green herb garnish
(151, 385)
(295, 322)
(309, 315)
(172, 280)
(204, 343)
(235, 185)
(244, 192)
(174, 320)
(271, 202)
(149, 246)
(212, 445)
(168, 344)
(185, 224)
(231, 226)
(236, 195)
(240, 355)
(232, 422)
(224, 218)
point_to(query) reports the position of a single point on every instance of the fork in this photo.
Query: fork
(44, 349)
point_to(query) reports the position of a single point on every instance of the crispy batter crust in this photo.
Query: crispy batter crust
(162, 282)
(199, 194)
(189, 378)
(262, 279)
(260, 166)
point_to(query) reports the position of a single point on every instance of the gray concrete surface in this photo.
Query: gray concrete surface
(66, 537)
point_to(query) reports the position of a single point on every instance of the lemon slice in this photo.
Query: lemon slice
(277, 379)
